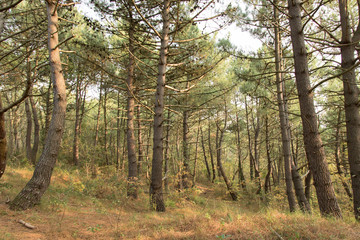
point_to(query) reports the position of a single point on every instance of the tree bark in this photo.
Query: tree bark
(204, 152)
(269, 162)
(131, 142)
(286, 148)
(36, 141)
(28, 130)
(313, 144)
(211, 155)
(351, 96)
(219, 138)
(185, 175)
(3, 144)
(242, 181)
(76, 140)
(156, 194)
(31, 194)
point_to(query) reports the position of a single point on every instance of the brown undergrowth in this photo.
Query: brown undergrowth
(78, 207)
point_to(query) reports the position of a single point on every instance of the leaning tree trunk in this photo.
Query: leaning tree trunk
(31, 194)
(351, 96)
(156, 194)
(313, 144)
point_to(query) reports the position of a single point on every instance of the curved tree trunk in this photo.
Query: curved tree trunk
(313, 144)
(31, 194)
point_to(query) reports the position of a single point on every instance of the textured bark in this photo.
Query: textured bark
(48, 110)
(131, 142)
(156, 194)
(31, 194)
(351, 95)
(166, 154)
(3, 144)
(36, 140)
(185, 175)
(286, 148)
(118, 132)
(28, 130)
(139, 141)
(313, 144)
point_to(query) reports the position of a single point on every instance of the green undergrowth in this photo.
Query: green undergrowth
(97, 208)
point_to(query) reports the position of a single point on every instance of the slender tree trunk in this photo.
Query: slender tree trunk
(211, 155)
(156, 195)
(28, 130)
(3, 144)
(118, 132)
(242, 181)
(351, 95)
(106, 156)
(98, 117)
(140, 143)
(131, 142)
(36, 141)
(204, 151)
(251, 156)
(337, 155)
(220, 137)
(185, 175)
(166, 155)
(286, 148)
(269, 162)
(36, 187)
(196, 153)
(48, 109)
(313, 144)
(76, 140)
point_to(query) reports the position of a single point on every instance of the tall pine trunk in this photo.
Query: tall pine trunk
(351, 95)
(131, 142)
(31, 194)
(313, 144)
(156, 193)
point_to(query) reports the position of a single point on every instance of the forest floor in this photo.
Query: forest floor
(79, 207)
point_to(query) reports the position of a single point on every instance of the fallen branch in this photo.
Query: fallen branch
(28, 225)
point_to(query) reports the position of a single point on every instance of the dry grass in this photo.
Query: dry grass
(76, 207)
